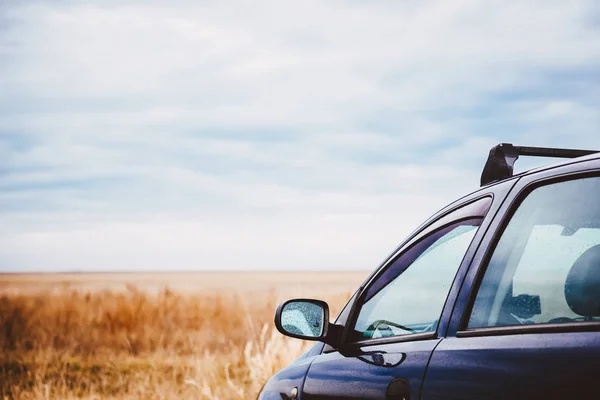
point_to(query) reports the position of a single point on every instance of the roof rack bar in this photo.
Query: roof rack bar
(502, 157)
(552, 152)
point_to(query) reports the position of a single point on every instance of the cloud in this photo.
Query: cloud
(268, 134)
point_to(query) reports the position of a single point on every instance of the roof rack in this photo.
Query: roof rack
(501, 160)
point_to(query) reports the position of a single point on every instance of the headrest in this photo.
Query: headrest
(582, 287)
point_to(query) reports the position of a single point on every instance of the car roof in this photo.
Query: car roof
(496, 185)
(493, 188)
(551, 166)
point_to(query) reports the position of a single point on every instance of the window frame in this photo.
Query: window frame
(524, 188)
(430, 227)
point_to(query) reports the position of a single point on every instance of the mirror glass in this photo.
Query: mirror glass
(303, 318)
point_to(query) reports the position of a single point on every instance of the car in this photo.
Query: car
(496, 296)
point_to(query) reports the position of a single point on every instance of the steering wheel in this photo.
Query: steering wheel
(559, 320)
(375, 325)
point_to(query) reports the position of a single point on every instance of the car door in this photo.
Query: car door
(527, 321)
(392, 327)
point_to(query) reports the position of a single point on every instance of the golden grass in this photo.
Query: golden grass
(134, 344)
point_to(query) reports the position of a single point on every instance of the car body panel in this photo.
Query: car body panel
(280, 385)
(518, 362)
(462, 301)
(368, 371)
(529, 366)
(526, 363)
(401, 361)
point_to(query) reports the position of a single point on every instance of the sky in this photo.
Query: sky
(215, 135)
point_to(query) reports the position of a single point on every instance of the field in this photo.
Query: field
(152, 335)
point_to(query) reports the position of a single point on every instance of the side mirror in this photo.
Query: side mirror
(303, 319)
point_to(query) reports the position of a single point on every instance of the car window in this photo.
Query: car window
(546, 265)
(409, 295)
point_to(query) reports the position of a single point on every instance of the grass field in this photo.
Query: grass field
(151, 335)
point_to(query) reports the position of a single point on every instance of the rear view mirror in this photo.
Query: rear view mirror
(303, 319)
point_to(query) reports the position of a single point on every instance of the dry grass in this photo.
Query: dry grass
(132, 343)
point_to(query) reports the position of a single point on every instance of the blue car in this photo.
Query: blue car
(497, 296)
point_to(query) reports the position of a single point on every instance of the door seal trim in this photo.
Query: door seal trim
(532, 328)
(413, 337)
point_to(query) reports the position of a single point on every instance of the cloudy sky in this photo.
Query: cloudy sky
(269, 134)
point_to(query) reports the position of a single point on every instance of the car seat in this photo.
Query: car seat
(582, 286)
